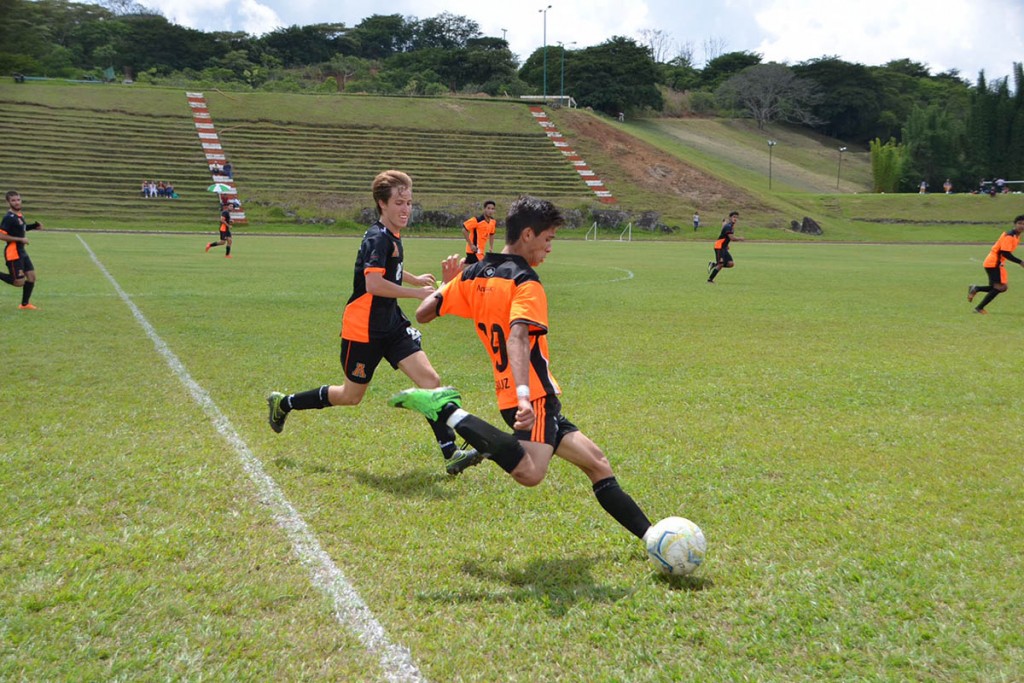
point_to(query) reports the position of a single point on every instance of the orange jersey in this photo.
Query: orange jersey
(496, 293)
(1007, 242)
(480, 231)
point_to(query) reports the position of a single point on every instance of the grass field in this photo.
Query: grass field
(836, 420)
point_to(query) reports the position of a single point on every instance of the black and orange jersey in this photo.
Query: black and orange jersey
(725, 237)
(13, 225)
(500, 291)
(1004, 246)
(367, 316)
(225, 220)
(480, 230)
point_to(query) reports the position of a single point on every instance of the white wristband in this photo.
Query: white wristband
(523, 391)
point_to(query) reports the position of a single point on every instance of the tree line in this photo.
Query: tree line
(919, 126)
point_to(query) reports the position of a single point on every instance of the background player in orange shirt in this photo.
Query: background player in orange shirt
(505, 299)
(373, 327)
(1001, 252)
(479, 233)
(723, 259)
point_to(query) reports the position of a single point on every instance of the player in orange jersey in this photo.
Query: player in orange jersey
(20, 271)
(723, 259)
(225, 231)
(478, 232)
(373, 327)
(1001, 252)
(505, 299)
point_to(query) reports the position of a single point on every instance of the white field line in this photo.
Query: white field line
(349, 609)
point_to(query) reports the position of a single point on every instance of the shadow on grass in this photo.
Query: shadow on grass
(419, 483)
(556, 584)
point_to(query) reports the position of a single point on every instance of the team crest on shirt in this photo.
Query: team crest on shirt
(488, 271)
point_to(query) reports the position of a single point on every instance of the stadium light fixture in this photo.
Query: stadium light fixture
(544, 11)
(771, 146)
(840, 169)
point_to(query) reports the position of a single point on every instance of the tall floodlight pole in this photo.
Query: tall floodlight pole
(771, 146)
(544, 11)
(561, 89)
(504, 34)
(840, 169)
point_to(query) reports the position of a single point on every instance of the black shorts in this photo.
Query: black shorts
(225, 234)
(19, 266)
(551, 426)
(471, 258)
(359, 360)
(995, 275)
(723, 256)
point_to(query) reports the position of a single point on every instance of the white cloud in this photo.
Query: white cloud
(257, 18)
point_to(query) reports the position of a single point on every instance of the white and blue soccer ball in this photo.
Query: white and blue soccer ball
(676, 546)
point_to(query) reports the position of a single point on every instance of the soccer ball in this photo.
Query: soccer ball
(676, 546)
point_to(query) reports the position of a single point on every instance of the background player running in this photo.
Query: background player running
(225, 231)
(20, 271)
(723, 259)
(374, 328)
(505, 299)
(1001, 252)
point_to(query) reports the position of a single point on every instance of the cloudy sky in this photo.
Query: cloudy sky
(942, 34)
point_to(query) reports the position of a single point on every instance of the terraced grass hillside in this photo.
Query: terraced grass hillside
(79, 154)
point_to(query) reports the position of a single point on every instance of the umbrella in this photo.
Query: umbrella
(221, 188)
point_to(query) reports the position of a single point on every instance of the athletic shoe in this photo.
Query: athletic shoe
(461, 460)
(971, 291)
(426, 402)
(277, 414)
(711, 282)
(27, 307)
(227, 255)
(981, 311)
(711, 267)
(208, 247)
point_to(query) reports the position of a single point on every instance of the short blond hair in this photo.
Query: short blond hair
(385, 183)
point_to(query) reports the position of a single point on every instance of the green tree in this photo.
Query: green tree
(618, 75)
(886, 165)
(849, 106)
(379, 36)
(446, 30)
(720, 69)
(932, 140)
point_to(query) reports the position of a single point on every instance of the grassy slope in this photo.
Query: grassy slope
(804, 166)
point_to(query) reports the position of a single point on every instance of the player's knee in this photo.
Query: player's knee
(730, 264)
(19, 282)
(430, 380)
(527, 474)
(1001, 287)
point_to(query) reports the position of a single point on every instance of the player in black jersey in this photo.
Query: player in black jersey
(20, 271)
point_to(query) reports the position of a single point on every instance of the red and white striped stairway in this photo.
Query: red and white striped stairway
(212, 148)
(589, 177)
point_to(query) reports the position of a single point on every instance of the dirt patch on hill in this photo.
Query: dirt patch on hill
(620, 157)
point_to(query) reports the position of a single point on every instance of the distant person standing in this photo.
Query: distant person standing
(696, 221)
(478, 232)
(723, 259)
(20, 271)
(923, 188)
(947, 186)
(1001, 252)
(225, 231)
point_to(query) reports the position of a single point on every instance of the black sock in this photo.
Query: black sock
(714, 273)
(7, 277)
(445, 437)
(26, 292)
(982, 289)
(621, 507)
(314, 399)
(984, 302)
(503, 448)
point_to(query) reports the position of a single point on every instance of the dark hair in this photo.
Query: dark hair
(530, 212)
(489, 202)
(13, 193)
(1015, 220)
(733, 213)
(385, 183)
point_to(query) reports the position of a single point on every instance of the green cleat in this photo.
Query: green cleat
(277, 415)
(462, 460)
(427, 402)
